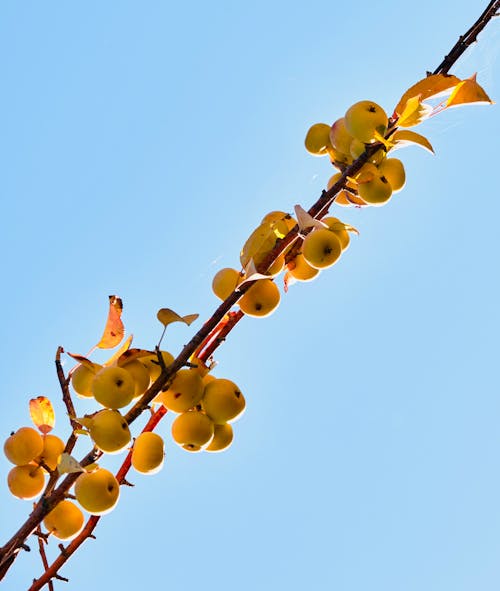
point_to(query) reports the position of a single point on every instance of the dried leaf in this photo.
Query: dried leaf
(404, 137)
(132, 354)
(288, 280)
(42, 414)
(68, 465)
(123, 347)
(114, 331)
(347, 199)
(468, 92)
(414, 112)
(305, 221)
(428, 87)
(82, 361)
(166, 316)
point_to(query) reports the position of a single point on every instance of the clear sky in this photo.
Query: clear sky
(141, 143)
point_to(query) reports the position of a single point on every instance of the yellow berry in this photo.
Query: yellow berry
(223, 401)
(23, 446)
(26, 482)
(148, 453)
(113, 387)
(97, 492)
(82, 378)
(192, 430)
(65, 521)
(318, 139)
(184, 392)
(261, 299)
(223, 437)
(110, 431)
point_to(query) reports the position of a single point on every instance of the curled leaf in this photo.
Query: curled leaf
(42, 414)
(132, 354)
(346, 198)
(68, 465)
(428, 87)
(305, 220)
(468, 92)
(404, 137)
(166, 316)
(123, 348)
(82, 361)
(414, 112)
(114, 330)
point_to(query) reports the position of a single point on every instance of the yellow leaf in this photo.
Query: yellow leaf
(426, 88)
(42, 414)
(82, 361)
(67, 464)
(166, 316)
(468, 92)
(345, 198)
(414, 112)
(123, 347)
(132, 354)
(404, 137)
(114, 331)
(305, 220)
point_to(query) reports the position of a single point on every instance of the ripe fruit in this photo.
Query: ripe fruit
(140, 375)
(261, 299)
(193, 430)
(97, 492)
(321, 248)
(184, 392)
(113, 387)
(223, 437)
(394, 171)
(318, 139)
(375, 191)
(148, 453)
(26, 482)
(223, 401)
(335, 225)
(23, 446)
(82, 378)
(53, 447)
(152, 365)
(225, 282)
(109, 431)
(363, 119)
(65, 521)
(340, 138)
(301, 270)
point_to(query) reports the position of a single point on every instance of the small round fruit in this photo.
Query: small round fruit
(53, 447)
(23, 446)
(223, 401)
(140, 375)
(340, 138)
(26, 482)
(223, 437)
(394, 171)
(148, 453)
(110, 431)
(192, 429)
(152, 364)
(184, 392)
(321, 248)
(280, 221)
(318, 139)
(363, 119)
(261, 299)
(335, 225)
(65, 521)
(225, 282)
(301, 270)
(97, 492)
(82, 378)
(376, 191)
(113, 387)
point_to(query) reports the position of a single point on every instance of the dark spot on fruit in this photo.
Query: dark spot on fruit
(237, 394)
(111, 487)
(372, 109)
(119, 382)
(258, 306)
(177, 395)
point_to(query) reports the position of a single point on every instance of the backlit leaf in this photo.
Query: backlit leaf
(405, 137)
(348, 199)
(132, 354)
(123, 347)
(114, 330)
(42, 414)
(166, 316)
(414, 112)
(68, 465)
(305, 220)
(82, 361)
(431, 86)
(468, 92)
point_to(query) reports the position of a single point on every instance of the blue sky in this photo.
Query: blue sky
(140, 144)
